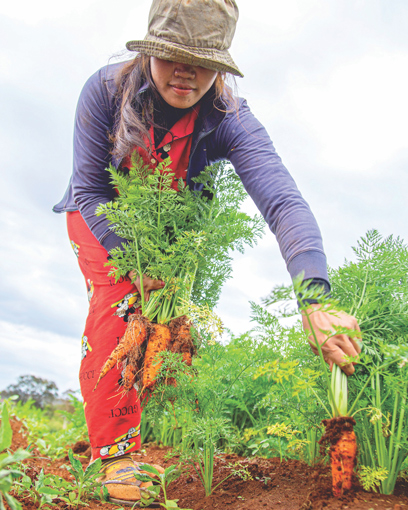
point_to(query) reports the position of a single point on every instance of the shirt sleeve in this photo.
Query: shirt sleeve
(244, 141)
(92, 155)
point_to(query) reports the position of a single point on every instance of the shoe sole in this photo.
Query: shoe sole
(135, 504)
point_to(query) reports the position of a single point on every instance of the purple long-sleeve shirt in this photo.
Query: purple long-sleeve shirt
(236, 136)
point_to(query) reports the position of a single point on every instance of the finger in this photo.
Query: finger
(345, 344)
(348, 369)
(356, 342)
(337, 356)
(156, 284)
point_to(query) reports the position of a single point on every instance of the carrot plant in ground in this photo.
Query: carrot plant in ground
(9, 469)
(220, 405)
(295, 399)
(374, 289)
(220, 385)
(200, 401)
(202, 438)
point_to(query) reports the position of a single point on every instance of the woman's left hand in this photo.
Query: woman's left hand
(337, 346)
(148, 284)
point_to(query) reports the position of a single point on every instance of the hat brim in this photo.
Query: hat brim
(216, 60)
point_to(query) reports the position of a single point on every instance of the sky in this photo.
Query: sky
(327, 78)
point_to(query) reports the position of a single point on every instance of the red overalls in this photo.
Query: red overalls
(113, 420)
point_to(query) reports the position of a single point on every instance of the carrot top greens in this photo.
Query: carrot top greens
(182, 237)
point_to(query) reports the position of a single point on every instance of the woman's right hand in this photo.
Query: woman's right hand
(148, 284)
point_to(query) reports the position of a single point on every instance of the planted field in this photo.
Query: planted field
(257, 422)
(270, 483)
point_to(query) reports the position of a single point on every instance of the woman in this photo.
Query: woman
(171, 100)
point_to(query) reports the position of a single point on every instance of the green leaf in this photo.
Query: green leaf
(149, 469)
(6, 433)
(18, 456)
(5, 484)
(75, 463)
(26, 481)
(48, 490)
(169, 470)
(105, 493)
(153, 490)
(170, 503)
(12, 503)
(4, 473)
(143, 477)
(93, 468)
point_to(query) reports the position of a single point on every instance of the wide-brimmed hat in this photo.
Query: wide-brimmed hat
(195, 32)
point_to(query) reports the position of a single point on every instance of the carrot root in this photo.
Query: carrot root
(340, 436)
(135, 335)
(129, 377)
(159, 340)
(181, 339)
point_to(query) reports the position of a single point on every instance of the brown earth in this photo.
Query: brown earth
(290, 485)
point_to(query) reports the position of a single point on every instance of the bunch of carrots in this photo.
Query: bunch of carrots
(140, 347)
(180, 236)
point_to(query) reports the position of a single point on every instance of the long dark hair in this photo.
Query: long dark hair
(136, 110)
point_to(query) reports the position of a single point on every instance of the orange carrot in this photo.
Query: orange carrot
(339, 434)
(343, 458)
(134, 336)
(159, 340)
(129, 377)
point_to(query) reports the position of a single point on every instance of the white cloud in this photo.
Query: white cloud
(28, 350)
(357, 112)
(32, 13)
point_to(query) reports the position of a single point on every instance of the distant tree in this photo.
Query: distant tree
(30, 387)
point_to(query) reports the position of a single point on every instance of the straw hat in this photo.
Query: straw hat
(195, 32)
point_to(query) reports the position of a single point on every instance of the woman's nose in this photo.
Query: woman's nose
(183, 70)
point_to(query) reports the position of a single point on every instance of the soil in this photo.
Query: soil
(287, 485)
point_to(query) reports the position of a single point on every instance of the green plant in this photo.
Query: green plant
(371, 478)
(182, 238)
(41, 491)
(164, 479)
(281, 430)
(8, 471)
(203, 436)
(375, 290)
(50, 430)
(85, 485)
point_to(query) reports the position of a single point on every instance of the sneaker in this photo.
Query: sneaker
(117, 477)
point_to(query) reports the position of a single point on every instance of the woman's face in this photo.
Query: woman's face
(181, 85)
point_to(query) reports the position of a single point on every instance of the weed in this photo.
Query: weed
(164, 479)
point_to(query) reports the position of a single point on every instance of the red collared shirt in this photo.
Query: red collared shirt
(176, 145)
